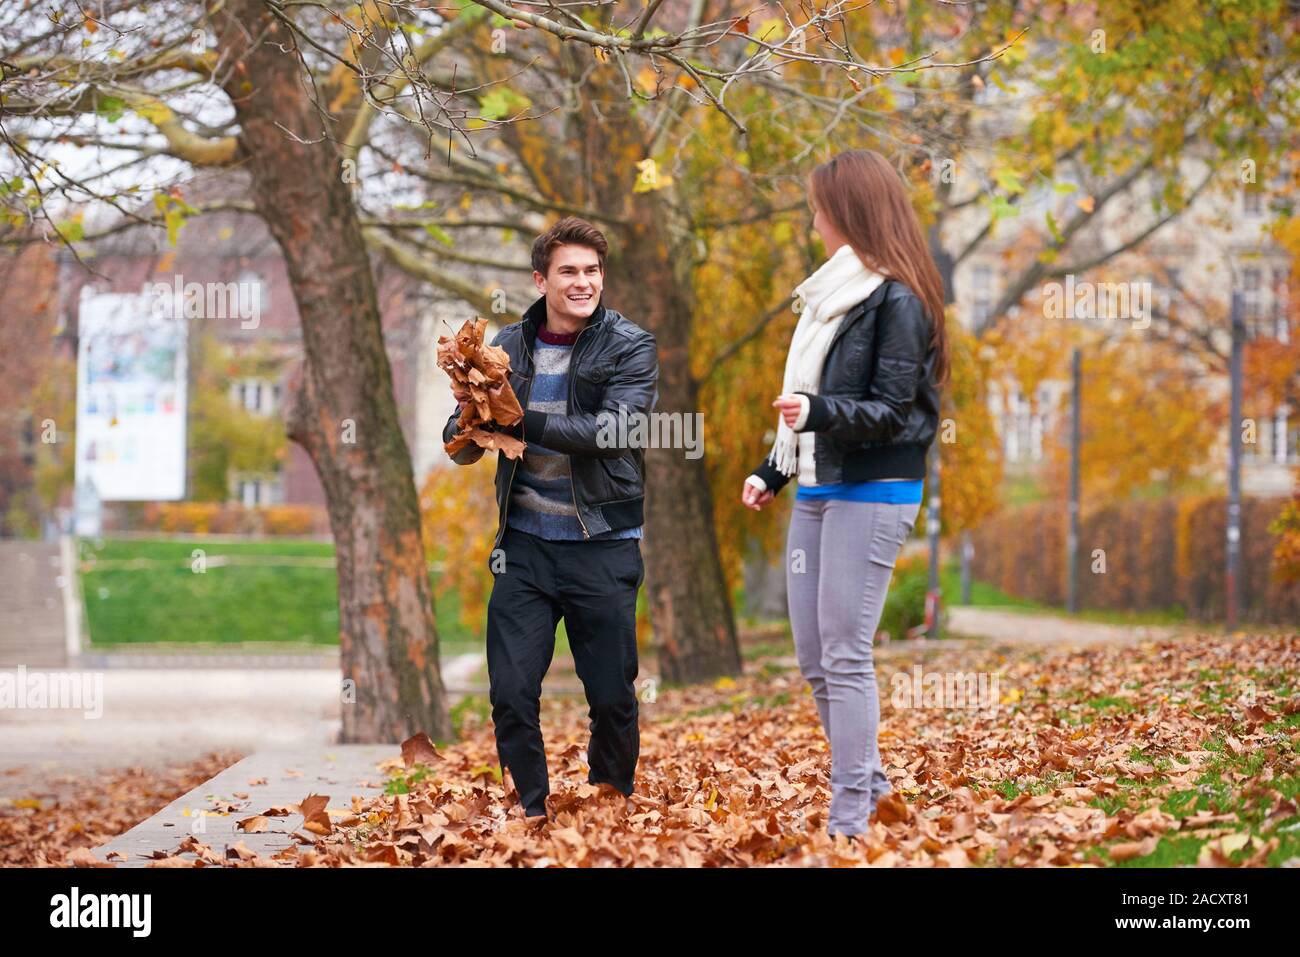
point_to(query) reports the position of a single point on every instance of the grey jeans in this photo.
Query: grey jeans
(839, 558)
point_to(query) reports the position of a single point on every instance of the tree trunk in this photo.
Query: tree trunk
(690, 610)
(342, 410)
(650, 283)
(765, 586)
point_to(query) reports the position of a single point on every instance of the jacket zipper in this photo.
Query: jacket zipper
(514, 466)
(839, 334)
(569, 408)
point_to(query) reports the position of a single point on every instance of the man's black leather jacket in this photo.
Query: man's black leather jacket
(877, 407)
(613, 372)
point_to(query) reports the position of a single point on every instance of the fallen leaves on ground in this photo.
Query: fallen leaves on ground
(66, 816)
(419, 749)
(1091, 756)
(314, 816)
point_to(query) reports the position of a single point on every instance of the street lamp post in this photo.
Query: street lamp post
(1231, 584)
(933, 595)
(1072, 537)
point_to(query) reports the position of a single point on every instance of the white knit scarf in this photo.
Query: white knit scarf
(836, 287)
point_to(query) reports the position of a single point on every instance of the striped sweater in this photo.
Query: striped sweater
(541, 498)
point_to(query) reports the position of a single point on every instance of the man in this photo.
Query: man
(570, 513)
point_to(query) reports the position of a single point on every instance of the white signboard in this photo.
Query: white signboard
(130, 398)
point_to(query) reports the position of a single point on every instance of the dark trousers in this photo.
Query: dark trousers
(592, 585)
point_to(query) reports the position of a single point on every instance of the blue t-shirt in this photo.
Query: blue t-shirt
(906, 492)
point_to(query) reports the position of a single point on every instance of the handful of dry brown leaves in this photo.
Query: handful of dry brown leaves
(484, 372)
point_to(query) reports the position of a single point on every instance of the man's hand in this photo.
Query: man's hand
(462, 395)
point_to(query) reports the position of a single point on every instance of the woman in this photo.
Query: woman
(859, 407)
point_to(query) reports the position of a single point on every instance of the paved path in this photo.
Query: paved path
(186, 657)
(285, 718)
(151, 715)
(32, 624)
(1037, 628)
(336, 772)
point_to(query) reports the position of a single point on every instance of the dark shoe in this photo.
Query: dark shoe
(539, 811)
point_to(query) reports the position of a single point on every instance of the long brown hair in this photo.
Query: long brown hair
(865, 199)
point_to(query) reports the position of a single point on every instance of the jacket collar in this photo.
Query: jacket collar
(535, 317)
(861, 309)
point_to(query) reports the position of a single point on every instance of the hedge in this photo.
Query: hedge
(218, 518)
(1158, 554)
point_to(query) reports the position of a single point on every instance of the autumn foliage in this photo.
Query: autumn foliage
(458, 522)
(1286, 553)
(970, 453)
(1143, 554)
(227, 518)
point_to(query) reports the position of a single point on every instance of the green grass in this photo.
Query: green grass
(741, 701)
(1247, 786)
(757, 650)
(477, 705)
(1023, 490)
(989, 596)
(166, 602)
(180, 549)
(985, 595)
(981, 593)
(1229, 784)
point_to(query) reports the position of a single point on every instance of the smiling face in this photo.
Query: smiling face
(572, 284)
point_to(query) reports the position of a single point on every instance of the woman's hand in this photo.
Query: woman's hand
(790, 406)
(751, 497)
(461, 395)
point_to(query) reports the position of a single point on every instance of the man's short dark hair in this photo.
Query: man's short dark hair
(569, 231)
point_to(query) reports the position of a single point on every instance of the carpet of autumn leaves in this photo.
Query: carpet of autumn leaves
(67, 815)
(1173, 752)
